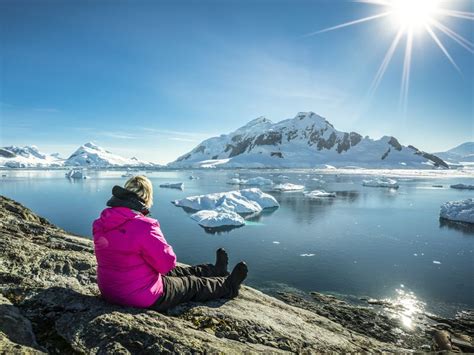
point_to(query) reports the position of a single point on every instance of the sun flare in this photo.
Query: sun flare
(414, 14)
(411, 17)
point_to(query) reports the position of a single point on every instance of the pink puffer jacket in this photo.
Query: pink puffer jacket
(131, 254)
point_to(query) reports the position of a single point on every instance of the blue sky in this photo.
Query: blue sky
(153, 78)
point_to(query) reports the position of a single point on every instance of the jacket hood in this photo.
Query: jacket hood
(114, 217)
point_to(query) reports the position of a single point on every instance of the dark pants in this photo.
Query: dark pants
(195, 283)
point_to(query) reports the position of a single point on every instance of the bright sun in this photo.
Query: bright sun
(410, 17)
(414, 14)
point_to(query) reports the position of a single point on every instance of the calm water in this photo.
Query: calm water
(366, 242)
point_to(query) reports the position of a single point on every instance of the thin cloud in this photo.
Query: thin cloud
(181, 139)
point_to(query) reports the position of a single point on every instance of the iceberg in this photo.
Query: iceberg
(218, 218)
(462, 187)
(381, 183)
(263, 199)
(174, 185)
(75, 174)
(287, 187)
(224, 208)
(458, 211)
(231, 200)
(319, 194)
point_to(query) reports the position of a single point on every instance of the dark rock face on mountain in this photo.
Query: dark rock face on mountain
(49, 302)
(305, 141)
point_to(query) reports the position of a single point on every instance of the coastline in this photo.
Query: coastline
(50, 303)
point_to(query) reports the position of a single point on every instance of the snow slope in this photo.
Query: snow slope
(91, 155)
(305, 141)
(463, 154)
(27, 157)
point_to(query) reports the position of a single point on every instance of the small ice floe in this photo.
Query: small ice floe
(275, 242)
(283, 177)
(319, 194)
(437, 186)
(192, 177)
(218, 218)
(436, 262)
(306, 254)
(287, 187)
(173, 185)
(235, 181)
(391, 183)
(76, 174)
(256, 181)
(246, 201)
(462, 187)
(458, 211)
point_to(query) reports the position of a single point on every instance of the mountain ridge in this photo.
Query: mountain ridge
(305, 141)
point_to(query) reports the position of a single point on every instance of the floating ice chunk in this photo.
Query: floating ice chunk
(306, 254)
(462, 187)
(319, 194)
(436, 262)
(459, 211)
(381, 183)
(173, 185)
(192, 177)
(256, 181)
(235, 181)
(287, 187)
(76, 174)
(218, 218)
(243, 201)
(263, 199)
(275, 242)
(283, 177)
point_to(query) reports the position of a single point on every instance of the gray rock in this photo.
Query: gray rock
(51, 303)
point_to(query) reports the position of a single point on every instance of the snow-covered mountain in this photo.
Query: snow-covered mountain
(307, 140)
(91, 155)
(27, 157)
(463, 154)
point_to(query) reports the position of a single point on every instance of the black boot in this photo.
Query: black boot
(235, 279)
(222, 260)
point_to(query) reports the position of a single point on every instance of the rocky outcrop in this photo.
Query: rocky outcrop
(50, 303)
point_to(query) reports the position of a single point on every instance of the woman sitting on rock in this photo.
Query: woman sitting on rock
(136, 266)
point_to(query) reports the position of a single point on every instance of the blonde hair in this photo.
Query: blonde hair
(142, 186)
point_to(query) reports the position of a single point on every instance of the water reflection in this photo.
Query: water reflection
(464, 228)
(404, 306)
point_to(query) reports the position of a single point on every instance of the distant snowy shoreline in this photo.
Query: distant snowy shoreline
(410, 173)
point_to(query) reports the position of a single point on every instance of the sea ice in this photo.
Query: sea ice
(459, 211)
(306, 254)
(381, 183)
(319, 194)
(175, 185)
(256, 181)
(218, 218)
(287, 187)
